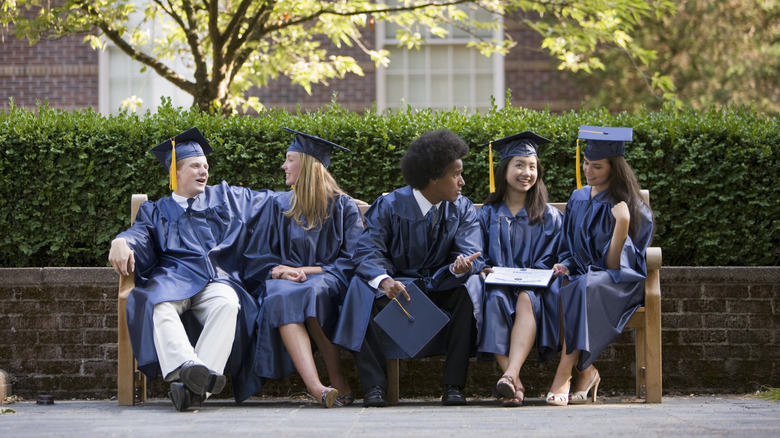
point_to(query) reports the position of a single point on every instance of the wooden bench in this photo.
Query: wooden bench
(131, 383)
(646, 321)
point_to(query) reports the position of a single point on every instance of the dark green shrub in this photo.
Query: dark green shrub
(68, 176)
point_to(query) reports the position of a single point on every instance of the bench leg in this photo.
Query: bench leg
(653, 373)
(641, 361)
(125, 379)
(392, 381)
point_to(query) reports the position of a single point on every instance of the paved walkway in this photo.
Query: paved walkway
(710, 416)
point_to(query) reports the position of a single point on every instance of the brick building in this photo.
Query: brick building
(441, 75)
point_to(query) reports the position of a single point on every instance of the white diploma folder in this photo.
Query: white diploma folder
(525, 277)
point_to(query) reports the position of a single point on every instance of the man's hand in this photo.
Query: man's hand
(121, 257)
(463, 264)
(393, 288)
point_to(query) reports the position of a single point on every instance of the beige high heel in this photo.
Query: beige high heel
(559, 399)
(581, 397)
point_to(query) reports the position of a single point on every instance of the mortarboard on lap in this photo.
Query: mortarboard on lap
(190, 143)
(524, 144)
(316, 147)
(412, 324)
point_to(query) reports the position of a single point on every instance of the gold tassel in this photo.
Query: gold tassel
(579, 177)
(490, 163)
(172, 170)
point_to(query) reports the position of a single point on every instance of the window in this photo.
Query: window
(443, 73)
(120, 79)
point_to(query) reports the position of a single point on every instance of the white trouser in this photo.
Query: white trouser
(216, 307)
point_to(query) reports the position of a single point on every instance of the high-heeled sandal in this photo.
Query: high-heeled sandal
(329, 396)
(559, 399)
(581, 397)
(505, 388)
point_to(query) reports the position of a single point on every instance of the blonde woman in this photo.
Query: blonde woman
(301, 270)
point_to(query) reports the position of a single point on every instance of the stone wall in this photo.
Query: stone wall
(721, 334)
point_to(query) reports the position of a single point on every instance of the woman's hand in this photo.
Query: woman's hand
(620, 212)
(487, 270)
(560, 268)
(284, 272)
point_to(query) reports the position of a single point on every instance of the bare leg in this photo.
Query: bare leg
(562, 379)
(296, 340)
(584, 378)
(521, 340)
(331, 355)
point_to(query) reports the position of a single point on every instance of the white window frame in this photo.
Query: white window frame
(157, 85)
(496, 61)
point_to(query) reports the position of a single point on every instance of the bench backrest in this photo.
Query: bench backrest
(559, 205)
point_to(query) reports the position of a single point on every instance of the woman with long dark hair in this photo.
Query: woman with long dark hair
(607, 229)
(519, 231)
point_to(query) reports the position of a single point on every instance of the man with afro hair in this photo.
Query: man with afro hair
(426, 233)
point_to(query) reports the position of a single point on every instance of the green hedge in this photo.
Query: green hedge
(68, 176)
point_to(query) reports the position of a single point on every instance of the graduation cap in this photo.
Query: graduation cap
(524, 144)
(316, 147)
(601, 142)
(189, 143)
(411, 324)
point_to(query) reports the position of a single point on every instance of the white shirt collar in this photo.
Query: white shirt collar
(422, 202)
(181, 200)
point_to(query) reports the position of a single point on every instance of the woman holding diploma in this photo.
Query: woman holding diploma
(607, 228)
(520, 231)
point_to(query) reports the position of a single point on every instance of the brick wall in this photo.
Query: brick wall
(721, 334)
(64, 71)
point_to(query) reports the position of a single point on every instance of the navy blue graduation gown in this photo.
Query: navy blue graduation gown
(284, 242)
(396, 242)
(598, 302)
(177, 253)
(510, 241)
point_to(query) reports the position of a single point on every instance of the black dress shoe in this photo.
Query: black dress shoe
(216, 382)
(182, 397)
(375, 397)
(452, 396)
(196, 377)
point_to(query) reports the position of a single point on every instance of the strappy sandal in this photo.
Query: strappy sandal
(329, 396)
(517, 400)
(505, 388)
(344, 400)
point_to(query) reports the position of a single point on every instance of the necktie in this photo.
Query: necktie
(190, 201)
(429, 220)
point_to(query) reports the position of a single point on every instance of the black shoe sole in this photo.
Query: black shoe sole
(197, 378)
(180, 398)
(216, 383)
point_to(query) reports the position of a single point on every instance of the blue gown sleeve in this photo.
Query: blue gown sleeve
(372, 256)
(467, 241)
(140, 238)
(262, 249)
(350, 226)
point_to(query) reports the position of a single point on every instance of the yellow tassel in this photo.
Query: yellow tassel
(490, 163)
(579, 177)
(172, 171)
(402, 307)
